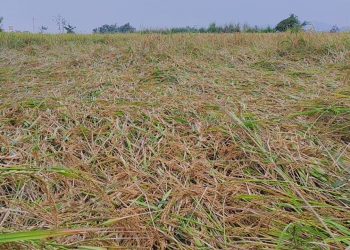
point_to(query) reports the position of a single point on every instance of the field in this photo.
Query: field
(187, 141)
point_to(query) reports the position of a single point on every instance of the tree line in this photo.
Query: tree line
(291, 23)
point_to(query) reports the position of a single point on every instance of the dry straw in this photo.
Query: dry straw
(232, 141)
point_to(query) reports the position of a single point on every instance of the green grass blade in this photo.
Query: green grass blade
(34, 235)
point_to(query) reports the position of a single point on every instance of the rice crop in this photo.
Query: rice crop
(183, 141)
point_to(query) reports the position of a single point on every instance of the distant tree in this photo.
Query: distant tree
(335, 29)
(126, 28)
(212, 28)
(106, 28)
(290, 23)
(268, 29)
(1, 19)
(202, 30)
(43, 29)
(250, 29)
(113, 28)
(232, 28)
(187, 29)
(69, 29)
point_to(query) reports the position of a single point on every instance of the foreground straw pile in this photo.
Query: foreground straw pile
(175, 141)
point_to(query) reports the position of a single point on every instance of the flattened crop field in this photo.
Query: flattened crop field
(187, 141)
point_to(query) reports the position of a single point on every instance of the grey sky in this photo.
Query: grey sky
(88, 14)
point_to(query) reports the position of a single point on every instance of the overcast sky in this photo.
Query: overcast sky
(89, 14)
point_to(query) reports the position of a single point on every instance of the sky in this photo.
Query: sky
(89, 14)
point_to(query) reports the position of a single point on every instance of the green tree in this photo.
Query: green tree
(212, 28)
(113, 28)
(106, 28)
(126, 28)
(290, 23)
(268, 29)
(335, 29)
(69, 28)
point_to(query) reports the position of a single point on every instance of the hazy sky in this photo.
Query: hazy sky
(88, 14)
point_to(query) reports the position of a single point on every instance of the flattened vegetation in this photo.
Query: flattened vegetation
(175, 141)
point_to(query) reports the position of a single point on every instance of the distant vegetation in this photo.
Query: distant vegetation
(43, 29)
(69, 29)
(290, 23)
(104, 29)
(335, 29)
(1, 19)
(214, 28)
(63, 26)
